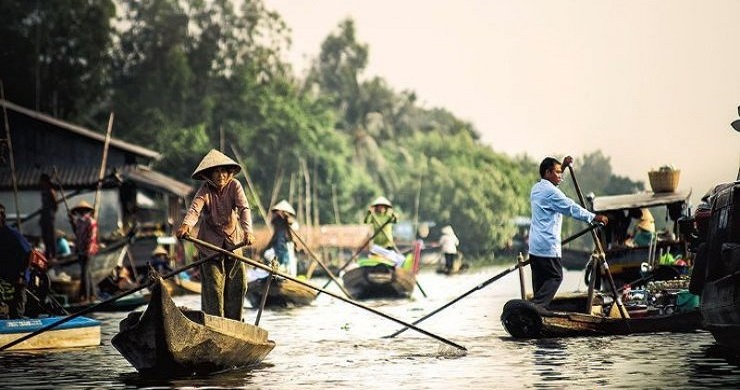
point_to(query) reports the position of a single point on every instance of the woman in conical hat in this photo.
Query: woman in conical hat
(448, 242)
(82, 207)
(283, 226)
(225, 221)
(380, 215)
(86, 245)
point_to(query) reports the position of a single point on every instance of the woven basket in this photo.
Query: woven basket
(664, 181)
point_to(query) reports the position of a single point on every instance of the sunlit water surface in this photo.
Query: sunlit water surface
(332, 344)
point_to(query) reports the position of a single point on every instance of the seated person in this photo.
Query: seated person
(644, 231)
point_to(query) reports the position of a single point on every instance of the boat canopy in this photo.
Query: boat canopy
(643, 199)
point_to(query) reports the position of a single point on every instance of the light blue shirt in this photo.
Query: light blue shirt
(549, 204)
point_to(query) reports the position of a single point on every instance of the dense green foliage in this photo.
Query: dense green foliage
(187, 76)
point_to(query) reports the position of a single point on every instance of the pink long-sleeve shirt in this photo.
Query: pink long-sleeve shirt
(225, 215)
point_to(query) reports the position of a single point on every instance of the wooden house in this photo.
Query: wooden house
(72, 155)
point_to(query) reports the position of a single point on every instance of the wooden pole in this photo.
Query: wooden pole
(257, 264)
(103, 164)
(12, 159)
(522, 287)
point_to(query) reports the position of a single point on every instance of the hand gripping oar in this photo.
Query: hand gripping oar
(358, 251)
(105, 302)
(600, 255)
(491, 280)
(399, 252)
(321, 263)
(257, 264)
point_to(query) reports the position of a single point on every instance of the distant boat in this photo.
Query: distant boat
(126, 303)
(378, 277)
(77, 332)
(165, 340)
(282, 293)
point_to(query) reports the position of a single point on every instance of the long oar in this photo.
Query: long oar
(601, 255)
(106, 302)
(491, 280)
(358, 251)
(321, 263)
(399, 252)
(301, 282)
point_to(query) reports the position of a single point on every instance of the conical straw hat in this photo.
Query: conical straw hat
(83, 205)
(159, 250)
(382, 201)
(214, 158)
(283, 206)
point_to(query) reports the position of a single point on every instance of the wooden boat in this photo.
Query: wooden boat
(181, 286)
(65, 274)
(522, 319)
(282, 293)
(166, 340)
(127, 303)
(380, 277)
(77, 332)
(716, 277)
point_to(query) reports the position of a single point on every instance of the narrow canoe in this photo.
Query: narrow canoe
(522, 319)
(379, 281)
(282, 293)
(165, 340)
(77, 332)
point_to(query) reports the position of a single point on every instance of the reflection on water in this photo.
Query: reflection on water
(335, 345)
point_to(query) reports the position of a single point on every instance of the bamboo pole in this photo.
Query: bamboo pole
(103, 164)
(12, 159)
(251, 186)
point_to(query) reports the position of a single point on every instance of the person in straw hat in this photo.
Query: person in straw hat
(160, 260)
(86, 245)
(645, 229)
(225, 221)
(448, 242)
(283, 224)
(380, 214)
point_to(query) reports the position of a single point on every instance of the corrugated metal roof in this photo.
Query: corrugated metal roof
(81, 130)
(643, 199)
(77, 177)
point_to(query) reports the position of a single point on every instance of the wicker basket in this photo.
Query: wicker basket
(664, 181)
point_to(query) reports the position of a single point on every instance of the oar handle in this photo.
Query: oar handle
(303, 283)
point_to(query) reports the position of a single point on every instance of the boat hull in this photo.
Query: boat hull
(77, 332)
(379, 281)
(167, 341)
(522, 319)
(282, 293)
(720, 307)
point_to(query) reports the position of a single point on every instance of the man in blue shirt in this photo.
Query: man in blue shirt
(549, 204)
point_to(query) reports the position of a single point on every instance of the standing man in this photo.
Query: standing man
(15, 255)
(48, 215)
(86, 245)
(549, 204)
(225, 221)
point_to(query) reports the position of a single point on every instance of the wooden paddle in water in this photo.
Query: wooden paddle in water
(257, 264)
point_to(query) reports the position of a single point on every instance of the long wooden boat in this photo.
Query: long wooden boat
(716, 274)
(181, 286)
(282, 293)
(67, 272)
(378, 277)
(165, 340)
(77, 332)
(127, 303)
(522, 319)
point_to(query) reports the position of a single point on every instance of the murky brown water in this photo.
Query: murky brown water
(335, 345)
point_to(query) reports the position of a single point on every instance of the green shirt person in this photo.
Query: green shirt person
(380, 213)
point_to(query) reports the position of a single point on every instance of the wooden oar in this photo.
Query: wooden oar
(321, 263)
(358, 251)
(301, 282)
(104, 303)
(500, 275)
(399, 252)
(601, 255)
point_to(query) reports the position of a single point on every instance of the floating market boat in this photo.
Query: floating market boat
(716, 275)
(77, 332)
(126, 303)
(522, 319)
(386, 275)
(165, 340)
(282, 293)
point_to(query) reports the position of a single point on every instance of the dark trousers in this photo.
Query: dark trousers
(449, 260)
(86, 287)
(48, 236)
(547, 274)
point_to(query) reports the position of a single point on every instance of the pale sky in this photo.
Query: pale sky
(648, 83)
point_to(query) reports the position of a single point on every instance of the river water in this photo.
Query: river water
(332, 344)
